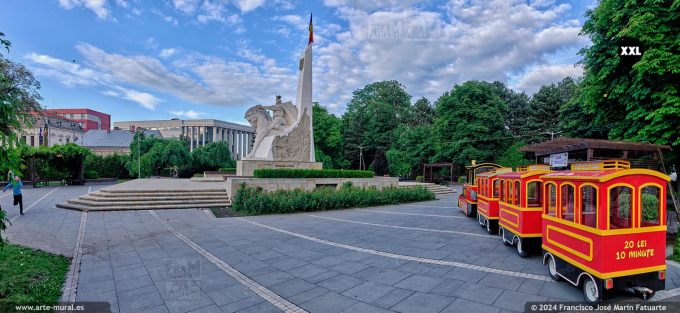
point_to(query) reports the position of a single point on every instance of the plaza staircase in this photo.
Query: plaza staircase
(160, 197)
(436, 189)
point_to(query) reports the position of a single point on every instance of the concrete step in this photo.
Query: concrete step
(164, 191)
(79, 207)
(220, 202)
(155, 194)
(144, 197)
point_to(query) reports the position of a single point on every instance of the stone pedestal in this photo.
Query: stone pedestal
(247, 167)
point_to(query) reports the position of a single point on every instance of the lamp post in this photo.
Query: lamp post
(552, 134)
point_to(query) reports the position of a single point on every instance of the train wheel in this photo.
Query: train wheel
(552, 269)
(520, 249)
(489, 229)
(646, 296)
(505, 242)
(481, 220)
(590, 292)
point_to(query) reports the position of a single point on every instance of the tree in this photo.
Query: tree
(372, 115)
(211, 157)
(635, 96)
(517, 108)
(19, 97)
(575, 121)
(379, 165)
(328, 143)
(422, 113)
(512, 157)
(543, 110)
(469, 124)
(413, 146)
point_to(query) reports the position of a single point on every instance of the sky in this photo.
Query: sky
(162, 59)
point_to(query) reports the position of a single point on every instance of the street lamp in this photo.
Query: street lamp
(552, 134)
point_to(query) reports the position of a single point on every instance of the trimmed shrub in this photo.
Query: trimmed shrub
(91, 174)
(228, 169)
(419, 179)
(255, 201)
(307, 173)
(676, 247)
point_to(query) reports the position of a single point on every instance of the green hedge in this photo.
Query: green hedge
(305, 173)
(255, 201)
(227, 169)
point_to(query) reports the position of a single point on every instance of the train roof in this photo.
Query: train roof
(529, 170)
(602, 171)
(495, 172)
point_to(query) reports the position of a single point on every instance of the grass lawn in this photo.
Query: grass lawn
(30, 276)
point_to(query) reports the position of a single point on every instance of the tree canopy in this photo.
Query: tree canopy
(19, 97)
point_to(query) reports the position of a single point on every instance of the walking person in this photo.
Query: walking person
(16, 189)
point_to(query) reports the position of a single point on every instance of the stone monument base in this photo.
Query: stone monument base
(247, 167)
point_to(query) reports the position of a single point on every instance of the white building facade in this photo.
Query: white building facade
(239, 138)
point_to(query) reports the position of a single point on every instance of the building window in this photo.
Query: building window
(620, 200)
(651, 206)
(534, 196)
(32, 141)
(589, 206)
(567, 200)
(23, 138)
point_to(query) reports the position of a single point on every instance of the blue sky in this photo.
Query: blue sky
(139, 59)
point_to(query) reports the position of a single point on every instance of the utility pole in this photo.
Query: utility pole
(552, 134)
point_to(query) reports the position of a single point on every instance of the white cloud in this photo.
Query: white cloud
(188, 114)
(185, 6)
(171, 20)
(429, 51)
(372, 4)
(166, 53)
(249, 5)
(145, 99)
(544, 74)
(99, 7)
(67, 73)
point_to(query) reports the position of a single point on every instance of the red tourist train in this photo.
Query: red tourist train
(489, 187)
(600, 225)
(467, 201)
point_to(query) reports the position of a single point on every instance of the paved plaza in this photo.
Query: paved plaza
(421, 257)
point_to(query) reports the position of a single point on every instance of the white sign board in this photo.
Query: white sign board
(559, 159)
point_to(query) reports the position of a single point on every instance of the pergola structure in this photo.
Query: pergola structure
(429, 178)
(641, 155)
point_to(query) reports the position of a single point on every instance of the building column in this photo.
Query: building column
(239, 144)
(214, 137)
(230, 142)
(190, 131)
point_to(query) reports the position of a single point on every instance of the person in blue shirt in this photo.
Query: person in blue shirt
(16, 189)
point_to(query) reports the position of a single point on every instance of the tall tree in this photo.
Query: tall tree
(422, 113)
(636, 96)
(371, 117)
(517, 107)
(19, 97)
(469, 123)
(413, 146)
(543, 111)
(328, 143)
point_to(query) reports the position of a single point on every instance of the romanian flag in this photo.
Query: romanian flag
(311, 30)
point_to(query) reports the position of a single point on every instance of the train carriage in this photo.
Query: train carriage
(467, 200)
(487, 198)
(520, 207)
(603, 227)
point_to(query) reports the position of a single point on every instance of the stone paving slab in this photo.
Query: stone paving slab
(134, 262)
